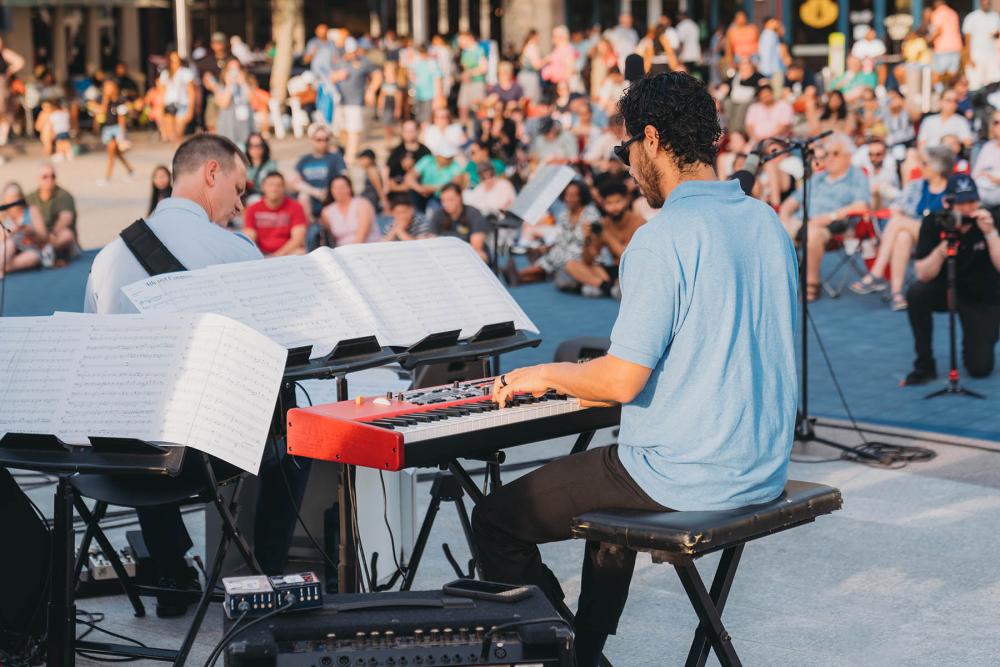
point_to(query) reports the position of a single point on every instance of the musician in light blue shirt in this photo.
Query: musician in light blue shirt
(701, 359)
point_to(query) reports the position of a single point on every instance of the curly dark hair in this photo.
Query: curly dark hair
(681, 110)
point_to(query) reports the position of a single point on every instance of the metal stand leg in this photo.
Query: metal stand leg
(721, 585)
(96, 517)
(708, 613)
(582, 442)
(421, 543)
(206, 598)
(347, 570)
(92, 521)
(62, 610)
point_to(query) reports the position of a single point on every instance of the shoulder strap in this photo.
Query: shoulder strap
(149, 249)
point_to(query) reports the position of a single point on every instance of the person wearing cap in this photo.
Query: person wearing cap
(432, 172)
(210, 68)
(358, 80)
(977, 283)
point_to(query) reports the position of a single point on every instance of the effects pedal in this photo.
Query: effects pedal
(257, 595)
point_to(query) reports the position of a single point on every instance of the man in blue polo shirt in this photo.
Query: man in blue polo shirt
(702, 361)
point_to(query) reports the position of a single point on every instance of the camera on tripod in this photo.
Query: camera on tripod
(950, 221)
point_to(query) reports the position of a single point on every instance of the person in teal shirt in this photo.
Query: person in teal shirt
(702, 361)
(433, 172)
(478, 154)
(474, 66)
(426, 77)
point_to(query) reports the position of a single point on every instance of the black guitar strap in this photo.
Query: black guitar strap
(149, 249)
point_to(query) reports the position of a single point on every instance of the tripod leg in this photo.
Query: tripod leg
(421, 543)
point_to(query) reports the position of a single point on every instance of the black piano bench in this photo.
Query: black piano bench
(680, 538)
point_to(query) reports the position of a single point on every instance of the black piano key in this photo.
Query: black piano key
(381, 423)
(419, 417)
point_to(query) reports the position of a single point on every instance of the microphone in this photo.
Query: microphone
(18, 202)
(635, 68)
(747, 176)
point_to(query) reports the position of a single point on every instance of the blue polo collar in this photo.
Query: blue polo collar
(700, 188)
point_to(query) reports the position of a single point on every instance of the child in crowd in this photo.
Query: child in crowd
(374, 191)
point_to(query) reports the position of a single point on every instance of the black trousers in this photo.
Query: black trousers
(167, 538)
(510, 523)
(980, 327)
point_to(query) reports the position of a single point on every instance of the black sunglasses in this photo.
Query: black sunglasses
(621, 150)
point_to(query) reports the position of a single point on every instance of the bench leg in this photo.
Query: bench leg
(709, 608)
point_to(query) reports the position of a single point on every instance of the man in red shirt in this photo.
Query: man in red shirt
(276, 222)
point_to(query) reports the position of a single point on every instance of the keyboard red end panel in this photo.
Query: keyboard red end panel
(323, 432)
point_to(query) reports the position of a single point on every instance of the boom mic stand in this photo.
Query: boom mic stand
(804, 431)
(953, 387)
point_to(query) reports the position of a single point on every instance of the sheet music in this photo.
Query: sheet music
(429, 286)
(204, 381)
(399, 292)
(538, 194)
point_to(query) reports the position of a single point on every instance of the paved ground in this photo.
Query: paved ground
(904, 575)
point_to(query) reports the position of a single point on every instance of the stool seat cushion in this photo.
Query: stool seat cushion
(696, 533)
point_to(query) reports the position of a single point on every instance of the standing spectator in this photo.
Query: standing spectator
(313, 172)
(530, 61)
(768, 117)
(834, 194)
(389, 103)
(10, 64)
(882, 170)
(980, 28)
(741, 38)
(657, 52)
(241, 51)
(160, 187)
(935, 127)
(320, 54)
(946, 37)
(112, 114)
(348, 219)
(602, 61)
(689, 35)
(900, 236)
(234, 119)
(773, 54)
(210, 68)
(58, 127)
(276, 222)
(358, 81)
(26, 235)
(455, 218)
(740, 93)
(559, 66)
(442, 54)
(870, 47)
(260, 162)
(494, 194)
(987, 168)
(474, 66)
(427, 80)
(623, 38)
(177, 84)
(596, 270)
(58, 209)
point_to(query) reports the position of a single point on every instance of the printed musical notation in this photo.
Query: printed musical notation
(399, 292)
(204, 381)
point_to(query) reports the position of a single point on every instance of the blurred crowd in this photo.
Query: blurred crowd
(415, 140)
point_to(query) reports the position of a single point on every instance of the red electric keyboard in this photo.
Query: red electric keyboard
(432, 426)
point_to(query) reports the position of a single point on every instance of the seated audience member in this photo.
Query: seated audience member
(276, 222)
(494, 193)
(576, 215)
(977, 279)
(407, 224)
(402, 158)
(768, 117)
(987, 168)
(443, 134)
(959, 150)
(433, 172)
(161, 187)
(898, 122)
(611, 90)
(834, 115)
(313, 172)
(348, 219)
(585, 126)
(596, 270)
(883, 172)
(374, 189)
(920, 197)
(479, 153)
(506, 89)
(853, 80)
(58, 209)
(935, 127)
(600, 152)
(552, 145)
(26, 234)
(261, 164)
(455, 218)
(835, 193)
(800, 88)
(733, 153)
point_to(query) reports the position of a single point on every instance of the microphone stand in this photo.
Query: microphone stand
(498, 221)
(804, 424)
